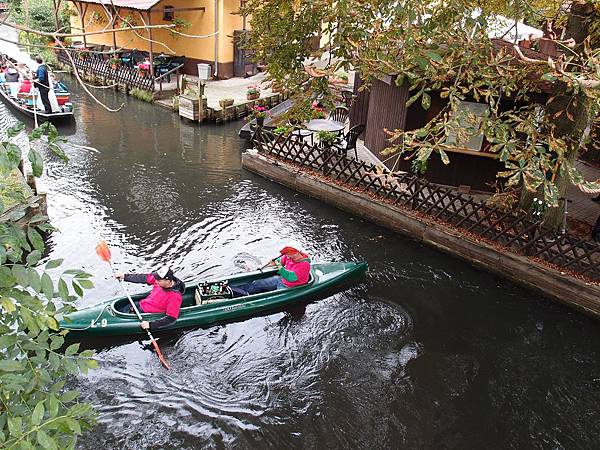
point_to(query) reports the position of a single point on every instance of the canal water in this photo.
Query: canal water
(423, 352)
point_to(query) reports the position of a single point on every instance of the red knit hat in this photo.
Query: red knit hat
(288, 250)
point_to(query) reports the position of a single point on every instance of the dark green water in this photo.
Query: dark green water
(425, 352)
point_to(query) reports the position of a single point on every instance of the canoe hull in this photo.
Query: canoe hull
(104, 320)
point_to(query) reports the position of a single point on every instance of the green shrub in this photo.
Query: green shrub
(141, 94)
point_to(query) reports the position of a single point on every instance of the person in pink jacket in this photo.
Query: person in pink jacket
(293, 269)
(165, 298)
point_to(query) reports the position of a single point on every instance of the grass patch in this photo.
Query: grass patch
(140, 94)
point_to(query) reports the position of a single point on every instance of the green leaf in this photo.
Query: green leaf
(37, 163)
(34, 257)
(6, 277)
(433, 55)
(69, 396)
(34, 279)
(86, 284)
(15, 425)
(47, 286)
(45, 441)
(56, 342)
(52, 323)
(72, 349)
(15, 129)
(20, 273)
(444, 157)
(38, 413)
(63, 289)
(423, 63)
(77, 289)
(35, 238)
(548, 76)
(426, 101)
(13, 154)
(52, 406)
(74, 425)
(54, 263)
(10, 366)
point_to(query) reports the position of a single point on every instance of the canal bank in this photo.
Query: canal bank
(319, 174)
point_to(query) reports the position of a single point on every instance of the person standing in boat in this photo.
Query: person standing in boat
(43, 83)
(293, 269)
(165, 298)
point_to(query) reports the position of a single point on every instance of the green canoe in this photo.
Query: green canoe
(105, 319)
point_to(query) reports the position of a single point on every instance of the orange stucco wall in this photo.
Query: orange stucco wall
(202, 23)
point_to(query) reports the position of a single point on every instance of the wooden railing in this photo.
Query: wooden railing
(514, 231)
(97, 65)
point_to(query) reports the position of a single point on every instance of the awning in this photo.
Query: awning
(140, 5)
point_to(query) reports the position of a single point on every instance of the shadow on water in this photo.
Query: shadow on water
(425, 352)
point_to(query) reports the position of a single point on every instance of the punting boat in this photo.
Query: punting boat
(23, 104)
(207, 302)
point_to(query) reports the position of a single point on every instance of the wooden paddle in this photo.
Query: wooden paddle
(104, 253)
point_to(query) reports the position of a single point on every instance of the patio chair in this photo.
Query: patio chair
(339, 114)
(349, 141)
(348, 97)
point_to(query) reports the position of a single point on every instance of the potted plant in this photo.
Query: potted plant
(327, 138)
(253, 92)
(259, 113)
(114, 62)
(283, 129)
(83, 55)
(225, 102)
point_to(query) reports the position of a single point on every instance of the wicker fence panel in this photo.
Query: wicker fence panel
(512, 230)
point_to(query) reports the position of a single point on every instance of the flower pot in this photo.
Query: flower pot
(224, 103)
(260, 121)
(114, 66)
(253, 96)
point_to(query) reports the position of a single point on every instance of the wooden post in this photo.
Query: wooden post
(112, 26)
(149, 15)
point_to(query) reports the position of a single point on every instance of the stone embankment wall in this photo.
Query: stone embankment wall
(558, 285)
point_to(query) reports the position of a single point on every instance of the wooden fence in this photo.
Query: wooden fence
(511, 230)
(97, 65)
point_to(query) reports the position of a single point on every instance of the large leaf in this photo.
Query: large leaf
(37, 163)
(35, 238)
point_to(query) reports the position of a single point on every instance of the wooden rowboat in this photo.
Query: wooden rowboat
(29, 112)
(106, 319)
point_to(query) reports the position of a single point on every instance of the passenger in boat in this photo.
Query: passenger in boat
(165, 298)
(293, 269)
(43, 83)
(25, 87)
(11, 75)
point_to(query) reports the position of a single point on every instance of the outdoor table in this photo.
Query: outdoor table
(317, 125)
(325, 125)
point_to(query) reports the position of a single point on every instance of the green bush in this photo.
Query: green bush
(36, 410)
(141, 94)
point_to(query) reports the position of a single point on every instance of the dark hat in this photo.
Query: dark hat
(164, 273)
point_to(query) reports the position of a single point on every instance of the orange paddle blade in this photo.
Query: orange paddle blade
(103, 251)
(160, 355)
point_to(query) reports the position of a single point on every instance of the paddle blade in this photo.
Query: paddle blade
(103, 251)
(160, 355)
